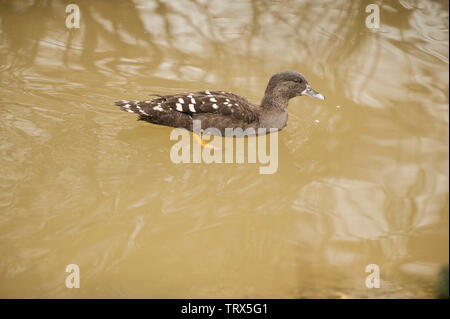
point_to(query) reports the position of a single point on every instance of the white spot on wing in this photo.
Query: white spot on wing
(192, 108)
(213, 99)
(215, 106)
(139, 109)
(179, 107)
(158, 108)
(208, 93)
(181, 100)
(193, 100)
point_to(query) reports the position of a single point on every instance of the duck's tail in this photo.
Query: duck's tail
(157, 112)
(132, 107)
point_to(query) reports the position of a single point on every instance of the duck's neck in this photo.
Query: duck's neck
(274, 101)
(274, 111)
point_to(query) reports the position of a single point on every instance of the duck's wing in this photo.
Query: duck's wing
(179, 110)
(213, 102)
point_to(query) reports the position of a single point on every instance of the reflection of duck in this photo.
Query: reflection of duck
(220, 110)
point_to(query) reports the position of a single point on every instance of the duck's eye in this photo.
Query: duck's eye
(298, 80)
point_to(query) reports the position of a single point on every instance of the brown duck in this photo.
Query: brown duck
(221, 110)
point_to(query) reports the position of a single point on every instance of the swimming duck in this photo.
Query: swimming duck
(221, 110)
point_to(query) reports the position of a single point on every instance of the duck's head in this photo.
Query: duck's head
(289, 84)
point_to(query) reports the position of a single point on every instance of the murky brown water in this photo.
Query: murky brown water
(83, 183)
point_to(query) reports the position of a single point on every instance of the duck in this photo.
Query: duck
(223, 111)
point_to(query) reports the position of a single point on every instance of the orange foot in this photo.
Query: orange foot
(204, 144)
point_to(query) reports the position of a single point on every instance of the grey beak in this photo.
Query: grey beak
(310, 92)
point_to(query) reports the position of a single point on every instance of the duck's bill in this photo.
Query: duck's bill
(310, 92)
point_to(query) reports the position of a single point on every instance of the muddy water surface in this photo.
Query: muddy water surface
(362, 177)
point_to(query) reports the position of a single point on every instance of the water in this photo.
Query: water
(362, 177)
